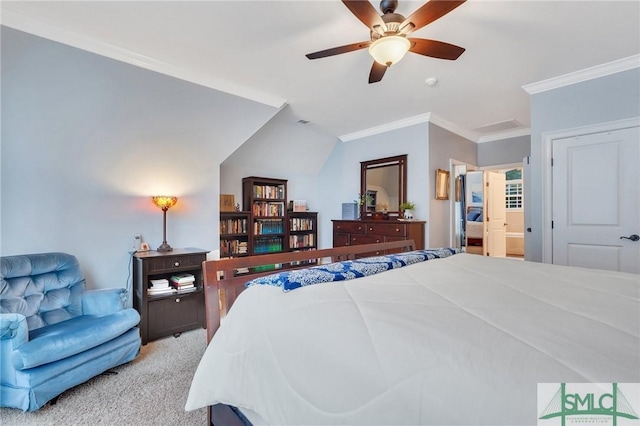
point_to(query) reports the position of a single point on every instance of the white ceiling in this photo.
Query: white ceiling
(256, 49)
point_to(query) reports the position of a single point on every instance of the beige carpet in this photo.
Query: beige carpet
(150, 390)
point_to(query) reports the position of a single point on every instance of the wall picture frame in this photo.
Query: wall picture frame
(442, 184)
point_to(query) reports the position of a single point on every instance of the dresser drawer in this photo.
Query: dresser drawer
(350, 227)
(365, 239)
(175, 262)
(387, 229)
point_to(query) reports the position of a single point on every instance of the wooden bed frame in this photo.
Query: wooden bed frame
(220, 292)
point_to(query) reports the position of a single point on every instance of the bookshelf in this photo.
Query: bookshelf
(235, 238)
(265, 199)
(303, 232)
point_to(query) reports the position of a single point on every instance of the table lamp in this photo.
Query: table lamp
(165, 203)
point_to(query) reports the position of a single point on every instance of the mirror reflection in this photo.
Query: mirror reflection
(384, 182)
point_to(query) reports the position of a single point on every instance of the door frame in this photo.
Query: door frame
(547, 172)
(452, 195)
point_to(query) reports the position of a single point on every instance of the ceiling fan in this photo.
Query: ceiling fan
(389, 42)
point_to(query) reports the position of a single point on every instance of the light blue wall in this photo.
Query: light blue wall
(339, 179)
(87, 140)
(611, 98)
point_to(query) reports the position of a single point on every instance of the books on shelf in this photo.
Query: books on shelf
(157, 291)
(159, 283)
(186, 288)
(183, 278)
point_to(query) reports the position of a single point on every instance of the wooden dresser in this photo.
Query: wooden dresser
(356, 232)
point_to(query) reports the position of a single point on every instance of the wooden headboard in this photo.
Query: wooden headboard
(222, 285)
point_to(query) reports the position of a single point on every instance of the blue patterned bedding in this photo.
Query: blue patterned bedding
(348, 269)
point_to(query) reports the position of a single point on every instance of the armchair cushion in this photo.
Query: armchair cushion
(64, 339)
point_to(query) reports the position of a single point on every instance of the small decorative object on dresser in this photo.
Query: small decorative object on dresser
(407, 209)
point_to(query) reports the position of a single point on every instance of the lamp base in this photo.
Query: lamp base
(164, 247)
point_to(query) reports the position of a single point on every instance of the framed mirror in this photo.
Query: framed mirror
(384, 183)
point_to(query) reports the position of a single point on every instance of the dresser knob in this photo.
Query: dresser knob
(176, 264)
(178, 300)
(397, 229)
(370, 228)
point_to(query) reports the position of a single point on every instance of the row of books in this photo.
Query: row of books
(268, 209)
(301, 224)
(268, 191)
(233, 226)
(267, 227)
(178, 283)
(233, 247)
(267, 245)
(301, 241)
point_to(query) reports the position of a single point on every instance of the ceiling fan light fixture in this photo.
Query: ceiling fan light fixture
(389, 50)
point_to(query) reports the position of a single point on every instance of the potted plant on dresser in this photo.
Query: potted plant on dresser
(407, 209)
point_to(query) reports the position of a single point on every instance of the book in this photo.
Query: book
(183, 286)
(183, 278)
(168, 290)
(163, 282)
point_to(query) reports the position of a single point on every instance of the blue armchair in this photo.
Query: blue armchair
(55, 335)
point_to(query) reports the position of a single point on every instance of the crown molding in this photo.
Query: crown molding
(383, 128)
(32, 26)
(440, 122)
(515, 133)
(410, 121)
(597, 71)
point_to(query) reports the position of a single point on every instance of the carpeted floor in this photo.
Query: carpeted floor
(150, 390)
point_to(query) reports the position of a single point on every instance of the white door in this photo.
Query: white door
(496, 214)
(595, 203)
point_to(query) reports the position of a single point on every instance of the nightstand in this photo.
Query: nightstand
(168, 314)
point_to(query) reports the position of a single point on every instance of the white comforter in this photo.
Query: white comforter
(461, 340)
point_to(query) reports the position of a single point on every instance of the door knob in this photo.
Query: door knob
(632, 237)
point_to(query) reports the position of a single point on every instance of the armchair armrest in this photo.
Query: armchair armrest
(14, 332)
(14, 329)
(104, 301)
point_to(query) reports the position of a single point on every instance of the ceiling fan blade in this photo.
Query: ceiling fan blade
(435, 49)
(338, 50)
(365, 12)
(427, 13)
(377, 72)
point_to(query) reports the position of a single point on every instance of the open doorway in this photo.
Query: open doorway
(469, 234)
(514, 204)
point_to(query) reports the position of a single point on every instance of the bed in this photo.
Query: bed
(453, 339)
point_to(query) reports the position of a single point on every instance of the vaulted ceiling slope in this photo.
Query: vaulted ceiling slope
(256, 49)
